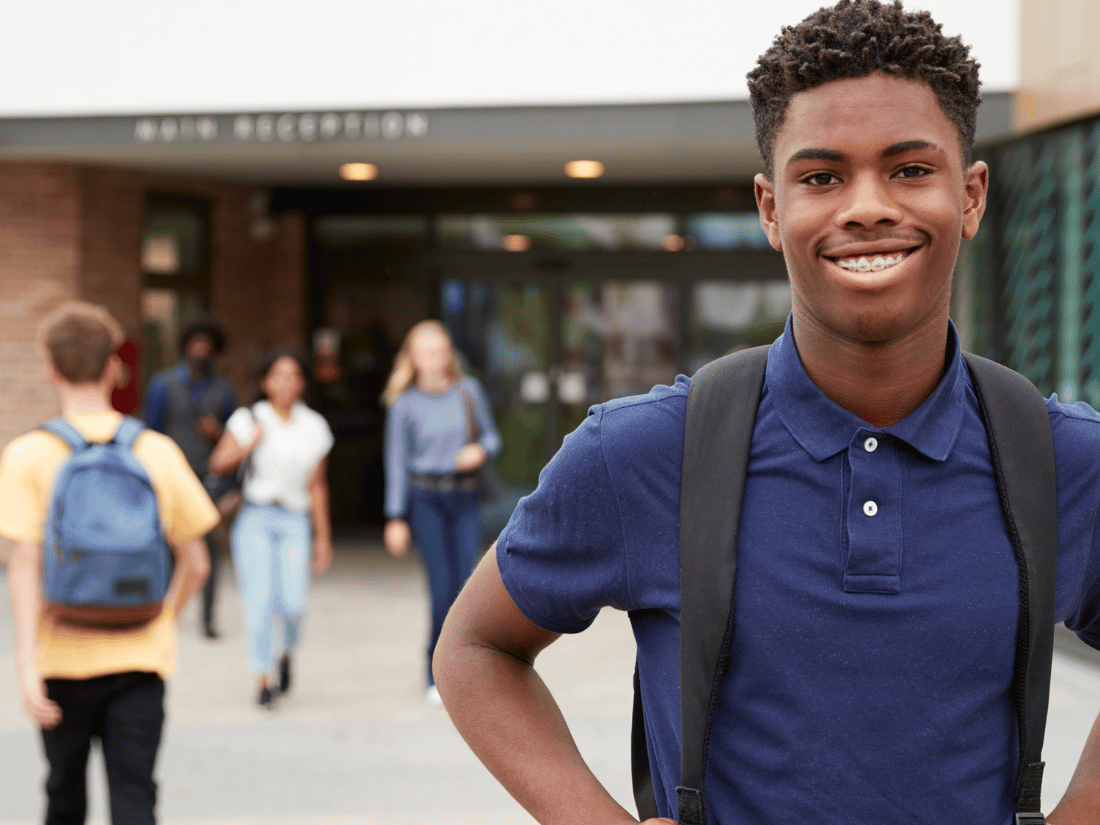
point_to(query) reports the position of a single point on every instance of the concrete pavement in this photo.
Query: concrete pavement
(355, 742)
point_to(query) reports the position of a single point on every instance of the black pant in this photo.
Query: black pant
(209, 589)
(125, 711)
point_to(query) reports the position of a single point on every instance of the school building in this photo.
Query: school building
(576, 252)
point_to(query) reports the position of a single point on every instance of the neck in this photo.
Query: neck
(283, 410)
(880, 382)
(199, 369)
(83, 399)
(434, 383)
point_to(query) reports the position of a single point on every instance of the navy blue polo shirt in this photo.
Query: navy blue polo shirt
(876, 595)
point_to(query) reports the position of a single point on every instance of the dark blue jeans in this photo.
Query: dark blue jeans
(125, 712)
(447, 531)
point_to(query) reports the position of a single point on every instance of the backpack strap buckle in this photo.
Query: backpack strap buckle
(1030, 819)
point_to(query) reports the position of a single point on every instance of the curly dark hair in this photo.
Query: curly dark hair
(203, 325)
(856, 38)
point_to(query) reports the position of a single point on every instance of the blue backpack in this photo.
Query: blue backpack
(105, 559)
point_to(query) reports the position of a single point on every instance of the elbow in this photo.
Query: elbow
(219, 465)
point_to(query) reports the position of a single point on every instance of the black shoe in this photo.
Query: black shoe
(284, 673)
(266, 699)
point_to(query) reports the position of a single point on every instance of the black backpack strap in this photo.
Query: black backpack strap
(721, 411)
(644, 796)
(1022, 447)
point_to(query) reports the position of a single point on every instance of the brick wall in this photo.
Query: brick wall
(75, 232)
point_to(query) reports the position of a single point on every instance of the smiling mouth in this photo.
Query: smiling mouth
(871, 263)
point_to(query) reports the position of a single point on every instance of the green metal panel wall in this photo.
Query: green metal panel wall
(1036, 261)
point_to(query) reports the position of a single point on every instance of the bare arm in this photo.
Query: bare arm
(229, 453)
(484, 668)
(319, 513)
(192, 568)
(25, 579)
(1081, 803)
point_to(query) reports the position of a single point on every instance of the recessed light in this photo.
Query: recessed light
(515, 243)
(584, 169)
(358, 171)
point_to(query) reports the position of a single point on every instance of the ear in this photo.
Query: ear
(765, 205)
(54, 374)
(976, 184)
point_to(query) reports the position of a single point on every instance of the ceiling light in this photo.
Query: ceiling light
(358, 171)
(584, 169)
(516, 243)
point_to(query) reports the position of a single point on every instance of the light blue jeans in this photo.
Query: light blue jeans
(271, 551)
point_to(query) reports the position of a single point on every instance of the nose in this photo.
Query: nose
(868, 203)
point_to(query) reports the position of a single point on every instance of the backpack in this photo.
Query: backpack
(721, 410)
(106, 562)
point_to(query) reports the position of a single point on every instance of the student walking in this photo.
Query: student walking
(439, 432)
(190, 403)
(81, 680)
(284, 521)
(868, 673)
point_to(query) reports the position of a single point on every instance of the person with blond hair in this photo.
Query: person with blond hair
(77, 682)
(439, 432)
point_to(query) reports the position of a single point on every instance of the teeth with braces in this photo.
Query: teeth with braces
(875, 264)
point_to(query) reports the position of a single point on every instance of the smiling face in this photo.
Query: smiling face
(868, 206)
(284, 382)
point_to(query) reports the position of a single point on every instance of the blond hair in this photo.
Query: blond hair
(80, 339)
(403, 374)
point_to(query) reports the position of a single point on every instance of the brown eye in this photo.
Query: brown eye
(912, 172)
(821, 179)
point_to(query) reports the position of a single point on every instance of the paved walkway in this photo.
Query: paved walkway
(355, 742)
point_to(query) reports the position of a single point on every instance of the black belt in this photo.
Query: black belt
(445, 482)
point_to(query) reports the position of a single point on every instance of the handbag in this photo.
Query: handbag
(490, 488)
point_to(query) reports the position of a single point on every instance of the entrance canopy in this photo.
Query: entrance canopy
(694, 142)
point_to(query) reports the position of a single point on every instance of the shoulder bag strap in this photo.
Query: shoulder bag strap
(1022, 447)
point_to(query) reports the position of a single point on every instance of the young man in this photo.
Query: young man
(877, 594)
(78, 684)
(190, 403)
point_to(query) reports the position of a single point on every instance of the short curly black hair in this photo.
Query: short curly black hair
(856, 38)
(203, 325)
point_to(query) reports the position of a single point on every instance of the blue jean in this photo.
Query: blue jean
(447, 531)
(271, 551)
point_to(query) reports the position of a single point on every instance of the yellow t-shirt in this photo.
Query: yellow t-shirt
(28, 466)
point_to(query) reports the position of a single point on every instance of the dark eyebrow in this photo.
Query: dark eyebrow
(816, 154)
(836, 157)
(907, 146)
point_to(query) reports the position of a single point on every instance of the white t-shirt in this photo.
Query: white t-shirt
(283, 462)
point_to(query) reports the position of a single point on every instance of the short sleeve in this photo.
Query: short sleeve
(324, 437)
(23, 492)
(561, 555)
(242, 425)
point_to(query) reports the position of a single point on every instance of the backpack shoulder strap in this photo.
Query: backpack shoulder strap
(1022, 448)
(127, 432)
(721, 411)
(59, 426)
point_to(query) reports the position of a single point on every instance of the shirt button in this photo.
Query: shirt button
(869, 508)
(871, 444)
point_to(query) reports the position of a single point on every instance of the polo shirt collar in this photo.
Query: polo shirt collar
(823, 428)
